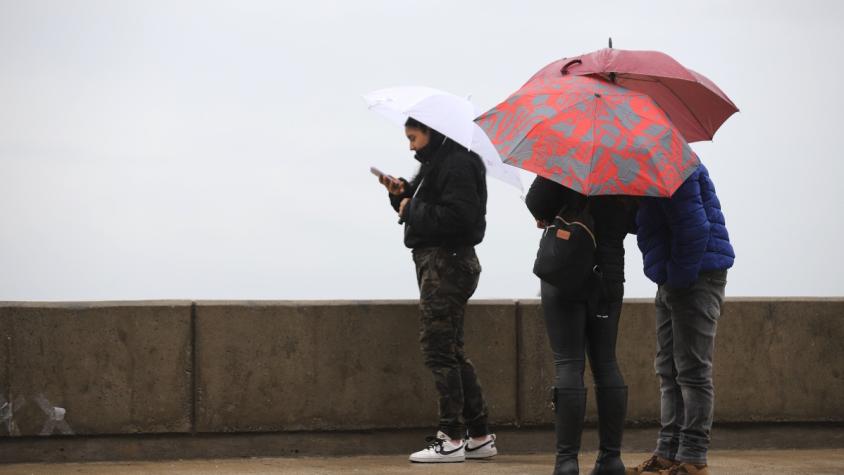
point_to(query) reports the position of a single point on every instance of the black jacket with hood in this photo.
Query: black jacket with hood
(448, 205)
(614, 217)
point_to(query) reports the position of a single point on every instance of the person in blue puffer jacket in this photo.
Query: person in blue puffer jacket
(687, 251)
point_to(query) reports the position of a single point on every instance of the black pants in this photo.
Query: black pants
(574, 332)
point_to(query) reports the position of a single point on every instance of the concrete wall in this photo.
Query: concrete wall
(113, 368)
(209, 367)
(299, 366)
(775, 360)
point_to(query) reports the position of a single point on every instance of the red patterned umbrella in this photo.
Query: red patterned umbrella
(590, 135)
(695, 105)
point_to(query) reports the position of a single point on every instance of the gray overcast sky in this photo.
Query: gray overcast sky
(219, 149)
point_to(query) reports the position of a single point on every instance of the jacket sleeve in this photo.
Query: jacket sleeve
(395, 200)
(689, 227)
(653, 236)
(632, 225)
(459, 205)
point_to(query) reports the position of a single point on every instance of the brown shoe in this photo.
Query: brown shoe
(653, 465)
(686, 469)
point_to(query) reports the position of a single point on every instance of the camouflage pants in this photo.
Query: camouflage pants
(447, 278)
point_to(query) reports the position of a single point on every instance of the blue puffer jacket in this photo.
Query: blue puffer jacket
(684, 235)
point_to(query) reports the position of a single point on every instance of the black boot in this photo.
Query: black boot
(612, 409)
(570, 407)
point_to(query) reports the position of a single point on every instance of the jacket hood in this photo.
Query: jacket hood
(435, 143)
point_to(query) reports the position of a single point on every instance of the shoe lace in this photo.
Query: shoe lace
(434, 443)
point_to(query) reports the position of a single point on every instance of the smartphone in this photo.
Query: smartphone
(376, 172)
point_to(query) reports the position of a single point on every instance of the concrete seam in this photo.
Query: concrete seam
(518, 359)
(193, 371)
(11, 427)
(9, 365)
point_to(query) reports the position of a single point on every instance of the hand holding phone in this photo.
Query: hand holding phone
(393, 185)
(376, 172)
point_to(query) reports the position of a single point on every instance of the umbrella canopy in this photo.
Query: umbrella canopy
(447, 113)
(695, 105)
(592, 136)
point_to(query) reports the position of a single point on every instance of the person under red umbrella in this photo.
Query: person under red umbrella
(619, 141)
(586, 323)
(686, 251)
(594, 145)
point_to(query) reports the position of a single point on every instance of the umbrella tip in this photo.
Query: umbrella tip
(610, 42)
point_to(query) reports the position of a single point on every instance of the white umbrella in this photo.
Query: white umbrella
(451, 115)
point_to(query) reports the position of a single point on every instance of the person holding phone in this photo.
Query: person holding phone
(443, 209)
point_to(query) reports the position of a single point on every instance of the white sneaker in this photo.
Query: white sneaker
(440, 449)
(482, 450)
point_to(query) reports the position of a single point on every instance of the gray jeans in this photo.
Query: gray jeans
(686, 321)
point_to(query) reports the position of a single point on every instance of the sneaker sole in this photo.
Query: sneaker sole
(481, 456)
(439, 460)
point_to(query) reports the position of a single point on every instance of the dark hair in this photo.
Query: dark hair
(411, 122)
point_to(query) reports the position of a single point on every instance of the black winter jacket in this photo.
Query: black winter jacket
(449, 209)
(614, 218)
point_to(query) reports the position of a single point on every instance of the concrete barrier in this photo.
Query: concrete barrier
(775, 360)
(780, 360)
(98, 368)
(300, 366)
(212, 367)
(7, 426)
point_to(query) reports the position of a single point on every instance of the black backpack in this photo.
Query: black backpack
(566, 256)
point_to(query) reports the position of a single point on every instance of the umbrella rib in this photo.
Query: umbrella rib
(537, 124)
(662, 177)
(592, 154)
(594, 145)
(521, 140)
(702, 127)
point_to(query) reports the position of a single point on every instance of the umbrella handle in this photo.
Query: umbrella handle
(564, 69)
